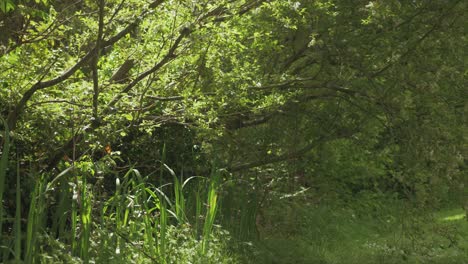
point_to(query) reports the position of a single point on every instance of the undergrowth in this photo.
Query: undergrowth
(70, 220)
(367, 230)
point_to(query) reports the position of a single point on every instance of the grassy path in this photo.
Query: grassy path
(396, 235)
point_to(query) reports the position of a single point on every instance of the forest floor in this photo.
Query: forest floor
(386, 234)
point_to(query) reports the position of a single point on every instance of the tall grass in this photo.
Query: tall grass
(17, 225)
(61, 186)
(74, 219)
(86, 203)
(3, 170)
(212, 207)
(178, 195)
(163, 233)
(138, 223)
(35, 221)
(240, 207)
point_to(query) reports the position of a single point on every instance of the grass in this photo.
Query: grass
(17, 224)
(175, 223)
(396, 233)
(3, 170)
(35, 222)
(212, 207)
(70, 221)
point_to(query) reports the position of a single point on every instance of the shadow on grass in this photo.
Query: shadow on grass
(396, 234)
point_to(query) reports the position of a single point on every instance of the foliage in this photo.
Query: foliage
(130, 122)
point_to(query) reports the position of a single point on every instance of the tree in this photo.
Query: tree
(350, 93)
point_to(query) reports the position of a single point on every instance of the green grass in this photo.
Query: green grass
(138, 223)
(35, 222)
(3, 169)
(71, 221)
(17, 224)
(397, 233)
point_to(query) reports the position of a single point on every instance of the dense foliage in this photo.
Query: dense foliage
(131, 129)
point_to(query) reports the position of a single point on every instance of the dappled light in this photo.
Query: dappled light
(233, 131)
(454, 217)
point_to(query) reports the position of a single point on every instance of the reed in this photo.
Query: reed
(86, 201)
(74, 220)
(35, 221)
(17, 224)
(139, 223)
(3, 170)
(212, 207)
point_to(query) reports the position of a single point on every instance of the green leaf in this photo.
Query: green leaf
(7, 5)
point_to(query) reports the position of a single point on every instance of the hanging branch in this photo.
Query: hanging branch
(170, 55)
(18, 109)
(183, 33)
(167, 58)
(332, 134)
(419, 41)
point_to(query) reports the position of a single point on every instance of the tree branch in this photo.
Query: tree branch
(170, 55)
(242, 120)
(95, 61)
(59, 101)
(418, 42)
(14, 115)
(276, 159)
